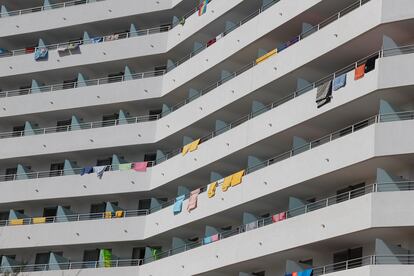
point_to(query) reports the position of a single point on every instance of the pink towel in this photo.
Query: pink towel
(140, 166)
(215, 238)
(279, 217)
(192, 201)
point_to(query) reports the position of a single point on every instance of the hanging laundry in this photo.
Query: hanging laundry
(202, 9)
(111, 37)
(30, 50)
(182, 21)
(108, 215)
(98, 39)
(154, 253)
(251, 226)
(360, 72)
(99, 170)
(119, 214)
(39, 220)
(125, 166)
(324, 94)
(307, 272)
(192, 201)
(339, 82)
(16, 222)
(279, 217)
(41, 53)
(237, 178)
(211, 190)
(190, 147)
(86, 170)
(215, 238)
(207, 240)
(178, 205)
(211, 42)
(220, 36)
(370, 64)
(107, 257)
(226, 183)
(266, 56)
(140, 166)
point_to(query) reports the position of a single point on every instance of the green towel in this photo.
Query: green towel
(125, 167)
(107, 257)
(154, 253)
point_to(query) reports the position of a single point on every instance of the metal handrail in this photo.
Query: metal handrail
(146, 118)
(47, 7)
(42, 174)
(122, 35)
(290, 213)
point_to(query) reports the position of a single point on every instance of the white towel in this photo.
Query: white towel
(99, 170)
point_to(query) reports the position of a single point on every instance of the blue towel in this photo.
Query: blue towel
(96, 39)
(41, 53)
(307, 272)
(178, 205)
(207, 240)
(339, 82)
(86, 170)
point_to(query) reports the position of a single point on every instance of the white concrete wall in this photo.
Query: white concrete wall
(354, 149)
(282, 117)
(79, 14)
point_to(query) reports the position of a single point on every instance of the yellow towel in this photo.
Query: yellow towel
(190, 147)
(266, 56)
(119, 214)
(212, 189)
(226, 183)
(16, 222)
(237, 178)
(108, 215)
(39, 220)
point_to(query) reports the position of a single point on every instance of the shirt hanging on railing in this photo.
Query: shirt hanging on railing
(125, 167)
(279, 217)
(16, 222)
(202, 9)
(324, 94)
(99, 170)
(192, 201)
(360, 72)
(207, 240)
(339, 82)
(220, 36)
(215, 238)
(237, 178)
(119, 214)
(178, 205)
(98, 39)
(226, 183)
(370, 64)
(86, 170)
(39, 220)
(211, 190)
(307, 272)
(140, 166)
(190, 147)
(41, 53)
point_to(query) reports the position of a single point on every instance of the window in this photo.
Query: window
(154, 114)
(104, 162)
(352, 256)
(63, 125)
(50, 211)
(261, 273)
(150, 157)
(350, 192)
(18, 131)
(90, 257)
(42, 258)
(10, 173)
(56, 169)
(110, 120)
(159, 70)
(165, 27)
(69, 84)
(138, 253)
(115, 77)
(144, 204)
(24, 90)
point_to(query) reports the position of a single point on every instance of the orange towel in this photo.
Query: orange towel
(237, 178)
(108, 215)
(266, 56)
(360, 72)
(212, 189)
(16, 222)
(226, 183)
(119, 214)
(190, 147)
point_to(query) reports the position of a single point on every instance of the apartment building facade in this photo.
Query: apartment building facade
(188, 137)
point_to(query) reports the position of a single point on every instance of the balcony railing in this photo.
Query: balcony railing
(60, 86)
(320, 204)
(48, 7)
(43, 174)
(104, 38)
(147, 118)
